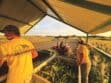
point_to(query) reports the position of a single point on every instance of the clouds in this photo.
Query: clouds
(51, 27)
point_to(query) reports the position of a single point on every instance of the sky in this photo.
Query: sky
(51, 27)
(107, 34)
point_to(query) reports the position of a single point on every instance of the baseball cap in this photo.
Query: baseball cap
(11, 28)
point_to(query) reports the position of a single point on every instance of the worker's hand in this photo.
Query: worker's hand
(1, 62)
(34, 53)
(77, 62)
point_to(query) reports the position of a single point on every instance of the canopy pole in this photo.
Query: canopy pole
(52, 9)
(87, 36)
(79, 74)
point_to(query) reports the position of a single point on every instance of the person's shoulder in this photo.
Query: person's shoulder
(4, 45)
(85, 47)
(22, 41)
(25, 40)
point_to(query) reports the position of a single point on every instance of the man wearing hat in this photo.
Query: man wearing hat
(18, 53)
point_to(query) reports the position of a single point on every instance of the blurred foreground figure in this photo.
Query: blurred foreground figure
(18, 53)
(83, 60)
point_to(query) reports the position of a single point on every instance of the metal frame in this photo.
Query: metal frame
(35, 23)
(52, 9)
(14, 19)
(91, 5)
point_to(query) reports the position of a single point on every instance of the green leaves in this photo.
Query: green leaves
(58, 72)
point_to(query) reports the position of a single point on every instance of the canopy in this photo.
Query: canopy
(89, 16)
(20, 13)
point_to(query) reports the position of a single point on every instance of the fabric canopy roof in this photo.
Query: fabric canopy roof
(20, 13)
(90, 16)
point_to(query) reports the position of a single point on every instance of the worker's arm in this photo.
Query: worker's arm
(34, 53)
(79, 55)
(2, 60)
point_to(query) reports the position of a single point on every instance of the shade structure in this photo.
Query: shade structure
(90, 16)
(20, 13)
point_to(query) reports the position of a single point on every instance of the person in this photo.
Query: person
(18, 52)
(68, 50)
(83, 60)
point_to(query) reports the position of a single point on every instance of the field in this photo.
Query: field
(103, 44)
(100, 71)
(47, 42)
(40, 42)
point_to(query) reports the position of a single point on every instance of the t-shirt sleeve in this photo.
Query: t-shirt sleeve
(33, 50)
(3, 51)
(31, 46)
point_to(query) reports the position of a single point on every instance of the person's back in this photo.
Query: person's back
(19, 59)
(83, 59)
(83, 54)
(18, 53)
